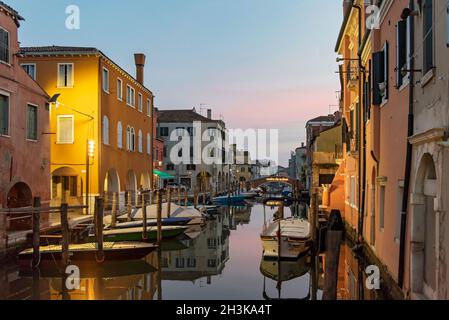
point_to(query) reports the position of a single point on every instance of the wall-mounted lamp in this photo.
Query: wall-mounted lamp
(407, 12)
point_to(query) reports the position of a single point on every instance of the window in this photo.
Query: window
(132, 140)
(120, 89)
(139, 102)
(211, 132)
(4, 115)
(105, 80)
(105, 130)
(191, 262)
(380, 75)
(401, 52)
(128, 138)
(179, 132)
(191, 131)
(164, 131)
(148, 144)
(428, 35)
(191, 167)
(65, 75)
(382, 208)
(164, 152)
(170, 167)
(149, 107)
(30, 69)
(64, 131)
(119, 135)
(130, 96)
(32, 122)
(4, 45)
(140, 146)
(180, 263)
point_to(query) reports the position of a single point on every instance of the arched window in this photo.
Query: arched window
(148, 144)
(133, 140)
(140, 141)
(105, 130)
(119, 135)
(128, 138)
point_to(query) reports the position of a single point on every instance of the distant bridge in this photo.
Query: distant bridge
(296, 184)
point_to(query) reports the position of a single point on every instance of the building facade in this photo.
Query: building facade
(186, 161)
(24, 124)
(101, 124)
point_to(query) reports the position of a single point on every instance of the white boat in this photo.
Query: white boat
(292, 241)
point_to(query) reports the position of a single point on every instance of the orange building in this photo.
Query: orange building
(102, 117)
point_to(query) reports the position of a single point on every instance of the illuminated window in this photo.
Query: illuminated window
(65, 75)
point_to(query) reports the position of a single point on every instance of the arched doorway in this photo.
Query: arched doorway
(423, 236)
(111, 186)
(203, 181)
(67, 186)
(131, 186)
(19, 196)
(145, 181)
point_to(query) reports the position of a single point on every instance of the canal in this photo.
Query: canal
(221, 261)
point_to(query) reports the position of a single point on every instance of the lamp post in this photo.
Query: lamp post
(90, 150)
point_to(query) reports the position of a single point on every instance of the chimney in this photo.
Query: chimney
(209, 113)
(140, 58)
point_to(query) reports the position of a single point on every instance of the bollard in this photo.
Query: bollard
(144, 217)
(65, 234)
(114, 210)
(159, 217)
(99, 225)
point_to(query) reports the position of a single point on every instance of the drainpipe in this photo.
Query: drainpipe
(408, 163)
(361, 183)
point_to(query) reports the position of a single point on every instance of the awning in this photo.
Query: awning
(163, 175)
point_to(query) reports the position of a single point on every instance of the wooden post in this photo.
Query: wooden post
(179, 196)
(36, 231)
(333, 241)
(114, 210)
(186, 200)
(204, 198)
(65, 234)
(144, 217)
(159, 217)
(129, 206)
(195, 199)
(99, 217)
(169, 201)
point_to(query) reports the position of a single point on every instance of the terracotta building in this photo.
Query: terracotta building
(101, 124)
(24, 124)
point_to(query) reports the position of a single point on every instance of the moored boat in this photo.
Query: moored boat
(136, 234)
(224, 200)
(153, 222)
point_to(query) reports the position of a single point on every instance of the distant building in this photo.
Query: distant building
(301, 163)
(201, 176)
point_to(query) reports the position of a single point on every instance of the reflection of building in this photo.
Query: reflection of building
(241, 215)
(103, 114)
(24, 142)
(206, 256)
(181, 123)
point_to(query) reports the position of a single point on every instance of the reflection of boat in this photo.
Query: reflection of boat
(229, 199)
(284, 271)
(90, 269)
(292, 239)
(135, 234)
(88, 252)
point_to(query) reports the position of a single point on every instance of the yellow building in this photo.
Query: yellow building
(102, 114)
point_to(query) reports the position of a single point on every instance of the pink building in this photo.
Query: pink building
(24, 123)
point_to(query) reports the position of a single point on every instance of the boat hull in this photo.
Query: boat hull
(289, 248)
(135, 234)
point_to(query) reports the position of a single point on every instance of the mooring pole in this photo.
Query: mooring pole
(65, 234)
(179, 196)
(186, 200)
(169, 201)
(144, 217)
(159, 217)
(99, 217)
(129, 206)
(36, 231)
(114, 210)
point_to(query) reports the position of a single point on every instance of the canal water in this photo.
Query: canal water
(223, 261)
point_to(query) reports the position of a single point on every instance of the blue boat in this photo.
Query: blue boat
(229, 199)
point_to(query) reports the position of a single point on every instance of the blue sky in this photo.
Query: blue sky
(259, 63)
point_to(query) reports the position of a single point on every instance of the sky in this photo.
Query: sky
(265, 64)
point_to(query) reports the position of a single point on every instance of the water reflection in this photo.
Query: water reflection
(223, 260)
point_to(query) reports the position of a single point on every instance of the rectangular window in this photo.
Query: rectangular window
(191, 263)
(164, 131)
(140, 102)
(191, 167)
(120, 89)
(32, 122)
(4, 115)
(382, 208)
(30, 68)
(130, 96)
(401, 52)
(380, 75)
(105, 80)
(64, 131)
(428, 35)
(179, 132)
(149, 107)
(4, 45)
(65, 75)
(180, 263)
